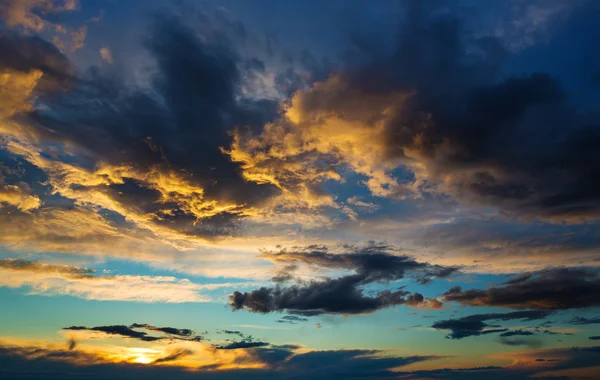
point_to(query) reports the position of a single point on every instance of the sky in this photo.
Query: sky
(299, 189)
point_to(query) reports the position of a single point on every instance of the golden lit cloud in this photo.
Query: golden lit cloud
(32, 15)
(15, 93)
(19, 196)
(106, 55)
(26, 13)
(324, 131)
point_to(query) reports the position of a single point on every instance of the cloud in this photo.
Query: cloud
(375, 262)
(439, 108)
(19, 196)
(38, 267)
(291, 319)
(517, 333)
(175, 355)
(26, 13)
(170, 333)
(585, 321)
(242, 344)
(106, 55)
(531, 343)
(161, 175)
(166, 330)
(119, 330)
(343, 295)
(35, 16)
(549, 289)
(276, 362)
(475, 325)
(48, 68)
(49, 280)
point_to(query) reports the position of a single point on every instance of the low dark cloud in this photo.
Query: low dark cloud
(166, 330)
(343, 295)
(474, 325)
(594, 337)
(232, 332)
(175, 355)
(585, 321)
(242, 344)
(517, 332)
(132, 331)
(119, 330)
(549, 289)
(512, 341)
(291, 319)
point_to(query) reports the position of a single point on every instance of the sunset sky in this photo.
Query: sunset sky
(287, 189)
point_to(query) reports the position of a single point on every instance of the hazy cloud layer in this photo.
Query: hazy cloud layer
(550, 289)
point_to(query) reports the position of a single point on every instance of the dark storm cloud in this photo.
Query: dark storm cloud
(343, 295)
(334, 296)
(176, 125)
(549, 289)
(374, 262)
(26, 53)
(594, 337)
(474, 325)
(519, 143)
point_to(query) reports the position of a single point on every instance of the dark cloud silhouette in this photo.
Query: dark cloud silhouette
(170, 333)
(292, 319)
(594, 337)
(375, 262)
(585, 321)
(119, 330)
(242, 344)
(166, 330)
(474, 325)
(517, 332)
(512, 341)
(549, 289)
(372, 263)
(177, 354)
